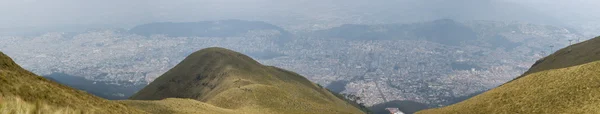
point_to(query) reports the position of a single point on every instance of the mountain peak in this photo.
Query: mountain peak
(231, 80)
(202, 72)
(218, 53)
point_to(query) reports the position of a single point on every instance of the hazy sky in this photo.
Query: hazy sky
(126, 13)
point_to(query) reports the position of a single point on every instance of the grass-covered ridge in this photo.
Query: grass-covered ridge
(233, 81)
(568, 90)
(21, 88)
(577, 54)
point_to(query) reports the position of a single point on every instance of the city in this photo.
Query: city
(378, 71)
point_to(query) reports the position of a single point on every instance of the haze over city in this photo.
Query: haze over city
(406, 54)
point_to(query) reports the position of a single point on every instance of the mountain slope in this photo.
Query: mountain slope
(567, 90)
(233, 81)
(573, 55)
(24, 92)
(564, 82)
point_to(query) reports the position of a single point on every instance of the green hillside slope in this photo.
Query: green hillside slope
(24, 92)
(577, 54)
(568, 90)
(233, 81)
(564, 82)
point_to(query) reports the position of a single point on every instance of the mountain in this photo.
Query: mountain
(228, 80)
(222, 28)
(564, 82)
(24, 92)
(445, 31)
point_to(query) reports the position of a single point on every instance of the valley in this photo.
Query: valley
(427, 71)
(299, 56)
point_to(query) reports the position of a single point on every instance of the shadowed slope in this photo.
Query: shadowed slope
(234, 81)
(25, 92)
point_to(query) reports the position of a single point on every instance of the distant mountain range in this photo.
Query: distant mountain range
(222, 28)
(444, 31)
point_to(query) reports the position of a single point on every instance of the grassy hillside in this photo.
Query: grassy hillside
(564, 82)
(16, 105)
(577, 54)
(177, 106)
(233, 81)
(567, 90)
(24, 92)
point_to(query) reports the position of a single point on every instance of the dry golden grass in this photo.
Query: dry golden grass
(176, 106)
(574, 90)
(15, 105)
(239, 101)
(28, 91)
(233, 81)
